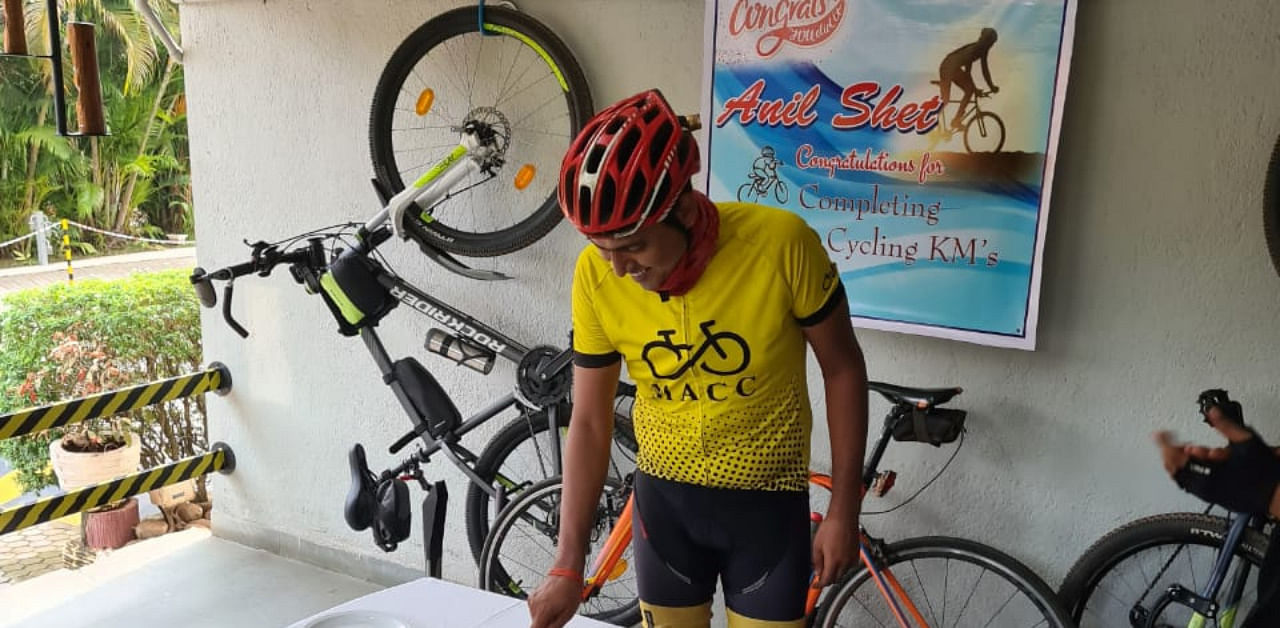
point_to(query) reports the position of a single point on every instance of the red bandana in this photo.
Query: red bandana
(702, 246)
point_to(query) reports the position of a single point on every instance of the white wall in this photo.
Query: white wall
(1156, 281)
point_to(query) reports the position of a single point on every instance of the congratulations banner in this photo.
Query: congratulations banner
(917, 137)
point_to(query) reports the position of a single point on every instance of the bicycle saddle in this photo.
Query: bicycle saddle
(914, 396)
(380, 504)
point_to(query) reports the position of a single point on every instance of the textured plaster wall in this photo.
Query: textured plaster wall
(1156, 283)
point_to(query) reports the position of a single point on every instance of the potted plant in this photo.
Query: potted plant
(89, 454)
(97, 452)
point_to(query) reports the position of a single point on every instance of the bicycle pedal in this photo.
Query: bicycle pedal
(883, 483)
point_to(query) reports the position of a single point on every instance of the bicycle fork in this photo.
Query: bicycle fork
(1204, 605)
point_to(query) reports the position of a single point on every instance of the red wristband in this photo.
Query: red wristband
(565, 573)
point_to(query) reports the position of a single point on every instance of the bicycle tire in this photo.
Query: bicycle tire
(522, 429)
(1271, 206)
(1043, 603)
(975, 123)
(1118, 545)
(435, 33)
(780, 192)
(494, 576)
(745, 193)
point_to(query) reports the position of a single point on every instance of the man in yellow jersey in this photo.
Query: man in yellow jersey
(711, 308)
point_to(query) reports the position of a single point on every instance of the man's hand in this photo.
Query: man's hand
(1174, 455)
(994, 90)
(555, 602)
(835, 549)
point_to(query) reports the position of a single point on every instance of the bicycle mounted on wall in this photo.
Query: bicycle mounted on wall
(444, 146)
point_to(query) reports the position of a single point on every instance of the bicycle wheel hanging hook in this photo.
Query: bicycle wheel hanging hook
(480, 15)
(90, 114)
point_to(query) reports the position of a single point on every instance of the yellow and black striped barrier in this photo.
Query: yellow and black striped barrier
(221, 459)
(216, 379)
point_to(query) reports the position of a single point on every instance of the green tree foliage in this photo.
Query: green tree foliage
(134, 181)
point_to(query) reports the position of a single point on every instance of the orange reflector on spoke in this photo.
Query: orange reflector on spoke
(619, 568)
(525, 176)
(425, 100)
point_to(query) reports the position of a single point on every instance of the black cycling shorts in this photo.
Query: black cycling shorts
(756, 543)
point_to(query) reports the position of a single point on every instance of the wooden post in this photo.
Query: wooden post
(15, 34)
(84, 60)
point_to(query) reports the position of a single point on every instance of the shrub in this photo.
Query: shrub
(73, 339)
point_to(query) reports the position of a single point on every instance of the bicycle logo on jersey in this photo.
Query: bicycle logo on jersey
(721, 353)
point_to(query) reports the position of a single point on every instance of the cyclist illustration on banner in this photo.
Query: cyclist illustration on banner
(983, 131)
(763, 178)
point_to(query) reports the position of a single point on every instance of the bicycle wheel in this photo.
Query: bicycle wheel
(1117, 581)
(984, 133)
(1271, 206)
(725, 354)
(952, 582)
(521, 550)
(521, 80)
(747, 193)
(780, 192)
(520, 455)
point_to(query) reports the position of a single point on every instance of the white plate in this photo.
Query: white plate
(358, 619)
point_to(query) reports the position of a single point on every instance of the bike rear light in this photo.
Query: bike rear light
(425, 100)
(525, 176)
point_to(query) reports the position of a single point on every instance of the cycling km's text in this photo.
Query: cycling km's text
(882, 204)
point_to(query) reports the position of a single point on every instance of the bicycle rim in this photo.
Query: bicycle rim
(952, 583)
(521, 79)
(521, 454)
(522, 546)
(1119, 580)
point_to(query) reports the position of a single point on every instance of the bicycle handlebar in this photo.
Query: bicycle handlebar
(307, 264)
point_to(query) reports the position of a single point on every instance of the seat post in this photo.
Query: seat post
(869, 472)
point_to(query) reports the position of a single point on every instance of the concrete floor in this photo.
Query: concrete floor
(189, 579)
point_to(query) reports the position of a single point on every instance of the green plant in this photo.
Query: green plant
(69, 340)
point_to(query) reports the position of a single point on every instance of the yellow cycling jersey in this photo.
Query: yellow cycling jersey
(721, 399)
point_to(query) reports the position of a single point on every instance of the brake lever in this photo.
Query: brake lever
(226, 309)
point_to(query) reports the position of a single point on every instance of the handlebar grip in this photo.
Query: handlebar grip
(204, 289)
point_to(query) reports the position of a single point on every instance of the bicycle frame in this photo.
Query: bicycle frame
(461, 324)
(974, 111)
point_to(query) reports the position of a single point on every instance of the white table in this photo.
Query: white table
(432, 603)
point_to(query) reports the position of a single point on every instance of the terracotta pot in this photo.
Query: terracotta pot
(75, 470)
(110, 529)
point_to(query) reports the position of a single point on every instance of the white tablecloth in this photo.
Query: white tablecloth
(432, 603)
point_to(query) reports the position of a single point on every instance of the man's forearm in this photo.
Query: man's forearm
(586, 461)
(846, 395)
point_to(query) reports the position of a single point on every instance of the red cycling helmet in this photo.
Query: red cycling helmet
(626, 168)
